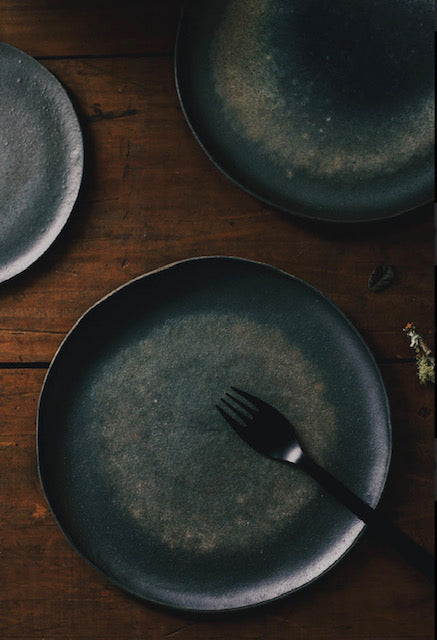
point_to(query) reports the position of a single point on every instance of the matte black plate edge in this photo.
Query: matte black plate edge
(180, 606)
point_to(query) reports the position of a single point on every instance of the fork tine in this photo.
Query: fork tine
(237, 412)
(238, 428)
(257, 402)
(250, 410)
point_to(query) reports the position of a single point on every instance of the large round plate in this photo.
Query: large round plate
(41, 160)
(147, 480)
(323, 109)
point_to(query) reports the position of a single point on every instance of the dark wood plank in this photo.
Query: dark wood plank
(90, 27)
(151, 197)
(48, 591)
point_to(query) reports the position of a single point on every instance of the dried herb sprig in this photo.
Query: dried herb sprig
(424, 358)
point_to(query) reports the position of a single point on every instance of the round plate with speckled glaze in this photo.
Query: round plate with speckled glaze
(147, 480)
(322, 109)
(41, 160)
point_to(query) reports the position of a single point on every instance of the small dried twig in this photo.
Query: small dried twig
(424, 358)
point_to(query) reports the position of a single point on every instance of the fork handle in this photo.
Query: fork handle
(408, 548)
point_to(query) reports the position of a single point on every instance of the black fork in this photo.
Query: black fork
(269, 432)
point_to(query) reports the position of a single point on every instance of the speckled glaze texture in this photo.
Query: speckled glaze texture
(145, 477)
(322, 108)
(41, 160)
(136, 470)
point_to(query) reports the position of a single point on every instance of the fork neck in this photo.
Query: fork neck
(293, 454)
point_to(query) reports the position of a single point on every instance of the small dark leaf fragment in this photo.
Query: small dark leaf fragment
(381, 277)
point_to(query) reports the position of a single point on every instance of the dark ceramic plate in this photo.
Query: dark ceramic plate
(147, 480)
(41, 160)
(323, 109)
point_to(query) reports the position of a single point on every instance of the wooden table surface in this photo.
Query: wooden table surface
(150, 197)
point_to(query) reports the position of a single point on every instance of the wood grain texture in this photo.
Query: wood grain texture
(48, 591)
(150, 197)
(89, 27)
